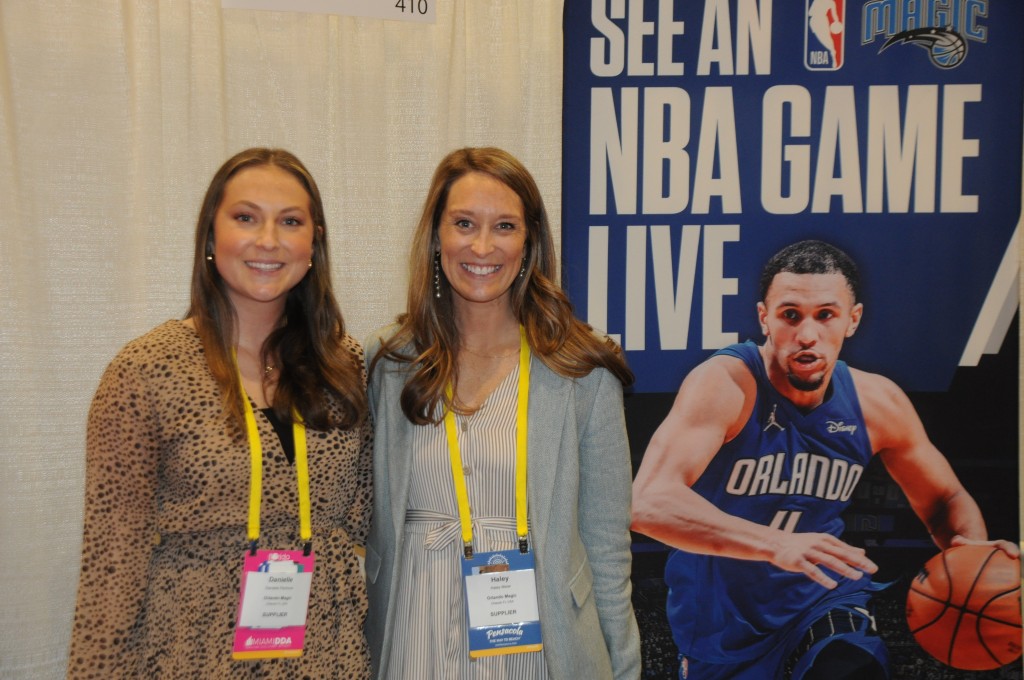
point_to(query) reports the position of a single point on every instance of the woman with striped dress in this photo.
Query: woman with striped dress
(500, 445)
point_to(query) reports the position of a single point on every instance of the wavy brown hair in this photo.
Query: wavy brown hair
(427, 338)
(314, 367)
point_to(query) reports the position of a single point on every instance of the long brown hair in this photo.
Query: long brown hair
(427, 337)
(308, 345)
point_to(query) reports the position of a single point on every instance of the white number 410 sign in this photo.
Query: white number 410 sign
(401, 10)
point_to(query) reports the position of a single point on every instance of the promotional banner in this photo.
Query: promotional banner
(703, 136)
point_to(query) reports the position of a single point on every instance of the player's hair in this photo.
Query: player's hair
(811, 257)
(315, 368)
(427, 337)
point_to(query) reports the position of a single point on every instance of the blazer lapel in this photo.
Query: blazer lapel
(398, 457)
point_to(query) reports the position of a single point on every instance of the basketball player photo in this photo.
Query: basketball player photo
(746, 480)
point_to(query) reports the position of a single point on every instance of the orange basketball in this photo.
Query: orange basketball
(964, 607)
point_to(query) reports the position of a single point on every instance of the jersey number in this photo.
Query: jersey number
(786, 520)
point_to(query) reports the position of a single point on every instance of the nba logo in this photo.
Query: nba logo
(823, 34)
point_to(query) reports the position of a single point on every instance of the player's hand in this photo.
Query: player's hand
(1007, 547)
(806, 553)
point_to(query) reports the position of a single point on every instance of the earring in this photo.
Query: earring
(522, 270)
(437, 275)
(209, 258)
(310, 265)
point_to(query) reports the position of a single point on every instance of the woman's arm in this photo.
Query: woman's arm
(357, 522)
(122, 454)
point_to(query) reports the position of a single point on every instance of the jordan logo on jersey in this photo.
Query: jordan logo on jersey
(772, 420)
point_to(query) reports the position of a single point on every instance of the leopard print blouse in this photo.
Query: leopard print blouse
(166, 508)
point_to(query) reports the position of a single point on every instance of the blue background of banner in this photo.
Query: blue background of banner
(925, 275)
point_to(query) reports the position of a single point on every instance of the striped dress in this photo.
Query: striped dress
(429, 634)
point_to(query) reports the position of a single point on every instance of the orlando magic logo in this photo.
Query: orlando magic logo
(823, 35)
(943, 30)
(946, 48)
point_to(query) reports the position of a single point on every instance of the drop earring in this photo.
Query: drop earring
(522, 269)
(437, 275)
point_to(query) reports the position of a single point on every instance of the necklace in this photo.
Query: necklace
(506, 355)
(267, 368)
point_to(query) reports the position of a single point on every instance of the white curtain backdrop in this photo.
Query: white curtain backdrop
(114, 116)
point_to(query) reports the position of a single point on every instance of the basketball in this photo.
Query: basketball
(948, 51)
(963, 607)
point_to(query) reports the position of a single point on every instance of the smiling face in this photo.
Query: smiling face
(805, 319)
(262, 236)
(482, 240)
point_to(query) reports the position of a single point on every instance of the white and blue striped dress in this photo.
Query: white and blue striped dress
(429, 633)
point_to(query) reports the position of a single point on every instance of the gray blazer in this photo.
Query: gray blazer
(579, 489)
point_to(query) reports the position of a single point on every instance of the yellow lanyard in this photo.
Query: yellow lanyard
(461, 495)
(256, 472)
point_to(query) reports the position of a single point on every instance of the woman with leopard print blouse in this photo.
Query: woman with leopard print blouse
(259, 377)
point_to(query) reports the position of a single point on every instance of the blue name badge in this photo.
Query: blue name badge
(501, 603)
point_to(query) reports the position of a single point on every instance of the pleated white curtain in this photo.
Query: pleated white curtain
(114, 116)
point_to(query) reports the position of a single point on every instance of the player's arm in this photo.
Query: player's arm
(931, 486)
(712, 406)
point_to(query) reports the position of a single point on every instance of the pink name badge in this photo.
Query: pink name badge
(272, 609)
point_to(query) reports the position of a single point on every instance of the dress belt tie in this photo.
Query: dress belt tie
(449, 527)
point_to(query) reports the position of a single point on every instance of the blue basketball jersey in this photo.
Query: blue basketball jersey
(787, 469)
